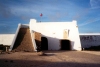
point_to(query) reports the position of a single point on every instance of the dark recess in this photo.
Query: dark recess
(44, 43)
(65, 45)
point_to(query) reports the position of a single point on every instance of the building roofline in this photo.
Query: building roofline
(89, 34)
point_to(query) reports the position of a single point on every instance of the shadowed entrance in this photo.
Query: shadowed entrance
(44, 43)
(65, 45)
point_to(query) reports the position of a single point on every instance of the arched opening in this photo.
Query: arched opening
(44, 43)
(65, 45)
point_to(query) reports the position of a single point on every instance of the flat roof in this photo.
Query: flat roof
(89, 34)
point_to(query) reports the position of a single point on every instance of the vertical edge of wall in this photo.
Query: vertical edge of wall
(79, 47)
(33, 40)
(37, 38)
(31, 23)
(14, 39)
(78, 42)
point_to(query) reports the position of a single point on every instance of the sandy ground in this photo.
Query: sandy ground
(51, 59)
(93, 52)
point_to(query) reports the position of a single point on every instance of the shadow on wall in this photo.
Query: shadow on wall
(23, 41)
(43, 44)
(38, 45)
(19, 38)
(50, 43)
(72, 45)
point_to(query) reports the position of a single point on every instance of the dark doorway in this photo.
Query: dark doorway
(65, 45)
(44, 43)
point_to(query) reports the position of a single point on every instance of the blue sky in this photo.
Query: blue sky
(86, 12)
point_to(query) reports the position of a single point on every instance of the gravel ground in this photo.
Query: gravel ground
(50, 59)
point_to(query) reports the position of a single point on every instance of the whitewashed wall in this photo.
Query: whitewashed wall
(54, 32)
(6, 39)
(90, 39)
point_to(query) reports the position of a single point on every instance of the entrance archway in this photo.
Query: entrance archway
(65, 45)
(44, 43)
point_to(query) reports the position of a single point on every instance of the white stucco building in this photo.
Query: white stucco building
(54, 32)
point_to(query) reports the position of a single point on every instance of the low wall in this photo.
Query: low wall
(88, 40)
(6, 39)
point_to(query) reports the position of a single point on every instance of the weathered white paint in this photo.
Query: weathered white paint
(90, 39)
(6, 39)
(54, 32)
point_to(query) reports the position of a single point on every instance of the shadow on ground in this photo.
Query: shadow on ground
(39, 63)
